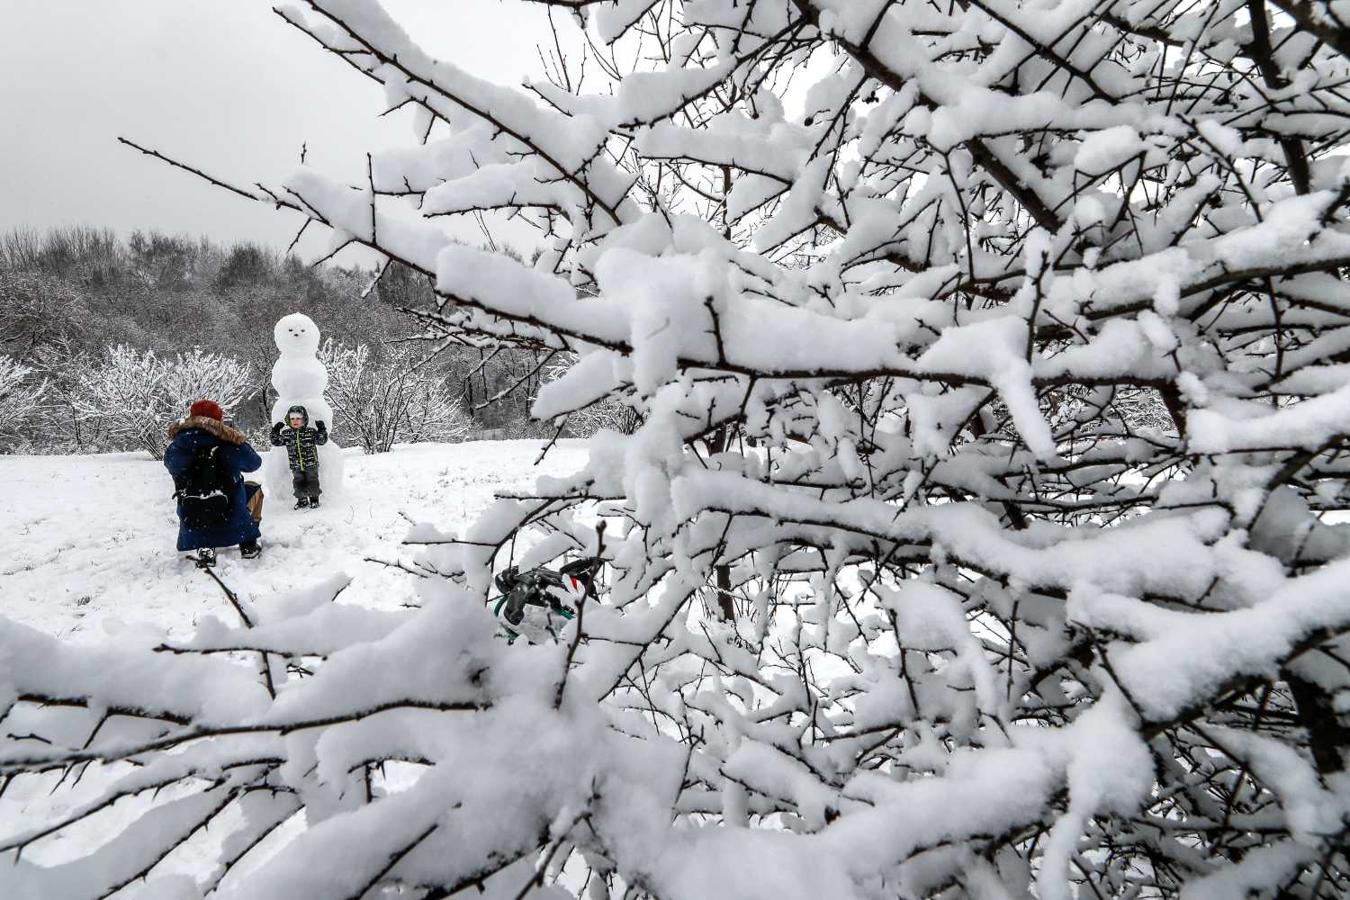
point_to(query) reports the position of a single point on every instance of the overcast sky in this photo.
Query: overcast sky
(225, 84)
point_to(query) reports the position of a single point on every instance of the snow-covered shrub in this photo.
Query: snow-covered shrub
(135, 394)
(59, 426)
(390, 398)
(22, 393)
(900, 600)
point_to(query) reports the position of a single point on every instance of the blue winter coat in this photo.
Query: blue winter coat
(188, 436)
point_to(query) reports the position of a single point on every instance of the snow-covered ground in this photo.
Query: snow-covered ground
(87, 552)
(87, 543)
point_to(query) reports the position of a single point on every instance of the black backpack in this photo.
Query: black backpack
(205, 491)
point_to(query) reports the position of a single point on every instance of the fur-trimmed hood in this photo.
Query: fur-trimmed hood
(210, 426)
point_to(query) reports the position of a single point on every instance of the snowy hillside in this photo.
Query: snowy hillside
(87, 549)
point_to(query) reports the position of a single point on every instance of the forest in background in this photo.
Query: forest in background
(73, 299)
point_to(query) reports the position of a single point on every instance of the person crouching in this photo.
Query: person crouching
(206, 458)
(301, 443)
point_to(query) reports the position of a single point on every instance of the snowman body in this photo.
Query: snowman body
(299, 379)
(301, 382)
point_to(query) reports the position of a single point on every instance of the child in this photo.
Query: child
(301, 443)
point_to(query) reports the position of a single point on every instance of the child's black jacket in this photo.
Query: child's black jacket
(301, 443)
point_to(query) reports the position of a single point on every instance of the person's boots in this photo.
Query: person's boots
(302, 503)
(250, 550)
(205, 558)
(313, 502)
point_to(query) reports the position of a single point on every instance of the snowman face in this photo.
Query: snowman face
(296, 335)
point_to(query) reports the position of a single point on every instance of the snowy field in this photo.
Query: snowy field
(87, 553)
(87, 548)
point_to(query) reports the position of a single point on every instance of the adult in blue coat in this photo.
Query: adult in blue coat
(202, 429)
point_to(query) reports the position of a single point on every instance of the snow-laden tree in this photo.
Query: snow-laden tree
(22, 393)
(391, 397)
(37, 310)
(135, 394)
(904, 595)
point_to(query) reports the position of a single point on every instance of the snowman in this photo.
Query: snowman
(299, 380)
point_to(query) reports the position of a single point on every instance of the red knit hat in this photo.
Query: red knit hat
(209, 408)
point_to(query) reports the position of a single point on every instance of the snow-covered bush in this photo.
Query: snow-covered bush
(902, 601)
(135, 394)
(389, 399)
(59, 427)
(21, 396)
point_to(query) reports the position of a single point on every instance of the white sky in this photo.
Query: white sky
(224, 84)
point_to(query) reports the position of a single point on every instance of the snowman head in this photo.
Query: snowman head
(296, 335)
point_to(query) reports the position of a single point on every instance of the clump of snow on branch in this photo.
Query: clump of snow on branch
(974, 539)
(607, 412)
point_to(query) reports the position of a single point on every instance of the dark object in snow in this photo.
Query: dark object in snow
(189, 440)
(552, 594)
(205, 558)
(302, 503)
(250, 550)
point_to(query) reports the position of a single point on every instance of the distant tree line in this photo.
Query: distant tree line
(104, 340)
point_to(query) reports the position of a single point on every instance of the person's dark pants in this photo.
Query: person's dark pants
(306, 482)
